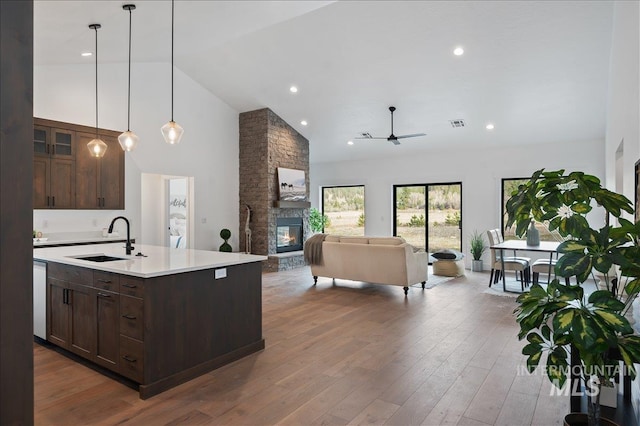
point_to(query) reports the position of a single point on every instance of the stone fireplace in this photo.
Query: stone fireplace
(266, 143)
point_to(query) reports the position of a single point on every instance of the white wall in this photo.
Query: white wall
(479, 170)
(623, 114)
(208, 151)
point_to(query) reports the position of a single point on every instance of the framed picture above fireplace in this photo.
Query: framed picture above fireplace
(291, 185)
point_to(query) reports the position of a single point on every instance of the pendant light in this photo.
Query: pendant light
(129, 140)
(172, 132)
(96, 146)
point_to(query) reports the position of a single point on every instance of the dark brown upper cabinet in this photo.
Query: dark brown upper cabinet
(100, 181)
(53, 167)
(66, 176)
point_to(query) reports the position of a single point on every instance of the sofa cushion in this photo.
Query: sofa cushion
(387, 241)
(332, 238)
(354, 240)
(448, 255)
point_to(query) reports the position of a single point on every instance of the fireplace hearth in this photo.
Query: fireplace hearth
(288, 234)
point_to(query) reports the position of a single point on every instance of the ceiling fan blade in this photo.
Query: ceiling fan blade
(413, 135)
(394, 141)
(372, 137)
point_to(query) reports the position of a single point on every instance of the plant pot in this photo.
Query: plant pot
(476, 265)
(581, 419)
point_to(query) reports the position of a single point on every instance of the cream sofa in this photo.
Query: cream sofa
(380, 260)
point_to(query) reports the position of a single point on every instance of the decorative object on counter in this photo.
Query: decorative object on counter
(129, 140)
(533, 235)
(477, 248)
(172, 131)
(96, 146)
(247, 232)
(225, 234)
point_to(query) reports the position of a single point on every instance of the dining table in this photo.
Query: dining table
(550, 247)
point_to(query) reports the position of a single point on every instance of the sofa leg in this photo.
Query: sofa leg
(406, 290)
(423, 283)
(315, 279)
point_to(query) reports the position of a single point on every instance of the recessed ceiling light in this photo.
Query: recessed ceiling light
(304, 122)
(293, 89)
(86, 54)
(458, 51)
(349, 142)
(489, 126)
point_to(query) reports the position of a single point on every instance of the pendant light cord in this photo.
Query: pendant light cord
(129, 82)
(172, 12)
(96, 29)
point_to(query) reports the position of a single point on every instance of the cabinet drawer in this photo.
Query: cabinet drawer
(131, 317)
(69, 273)
(131, 358)
(106, 281)
(132, 286)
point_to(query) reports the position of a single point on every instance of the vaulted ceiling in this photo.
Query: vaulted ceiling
(537, 70)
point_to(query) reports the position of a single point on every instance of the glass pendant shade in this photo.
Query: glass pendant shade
(97, 147)
(128, 140)
(172, 133)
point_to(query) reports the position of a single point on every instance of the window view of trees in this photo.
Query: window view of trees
(344, 205)
(508, 186)
(429, 210)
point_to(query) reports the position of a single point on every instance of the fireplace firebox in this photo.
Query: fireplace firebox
(288, 234)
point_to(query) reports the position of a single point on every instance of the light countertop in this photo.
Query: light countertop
(47, 242)
(159, 261)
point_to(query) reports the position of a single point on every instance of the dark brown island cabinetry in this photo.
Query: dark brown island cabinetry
(66, 176)
(159, 331)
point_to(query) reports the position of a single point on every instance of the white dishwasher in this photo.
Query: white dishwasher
(40, 299)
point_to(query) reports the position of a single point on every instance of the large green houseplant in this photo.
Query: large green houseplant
(556, 319)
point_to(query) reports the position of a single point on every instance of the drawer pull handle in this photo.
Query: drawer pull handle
(129, 316)
(104, 295)
(128, 358)
(129, 285)
(104, 281)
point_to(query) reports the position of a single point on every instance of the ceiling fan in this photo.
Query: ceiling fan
(391, 138)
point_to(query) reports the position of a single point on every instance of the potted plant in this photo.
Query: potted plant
(477, 248)
(562, 318)
(317, 220)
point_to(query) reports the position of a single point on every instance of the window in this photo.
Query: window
(429, 216)
(344, 206)
(508, 186)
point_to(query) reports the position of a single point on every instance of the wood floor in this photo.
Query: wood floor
(349, 353)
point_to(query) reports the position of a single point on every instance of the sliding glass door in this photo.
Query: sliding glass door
(429, 216)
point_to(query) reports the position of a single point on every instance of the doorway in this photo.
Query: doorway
(429, 216)
(167, 210)
(177, 190)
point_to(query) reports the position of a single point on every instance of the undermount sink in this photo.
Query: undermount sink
(98, 258)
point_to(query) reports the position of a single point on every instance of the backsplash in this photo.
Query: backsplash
(87, 222)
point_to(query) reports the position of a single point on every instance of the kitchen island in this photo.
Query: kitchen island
(158, 317)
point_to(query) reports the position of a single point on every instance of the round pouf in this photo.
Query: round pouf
(448, 268)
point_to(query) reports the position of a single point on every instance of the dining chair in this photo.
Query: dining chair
(520, 265)
(541, 266)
